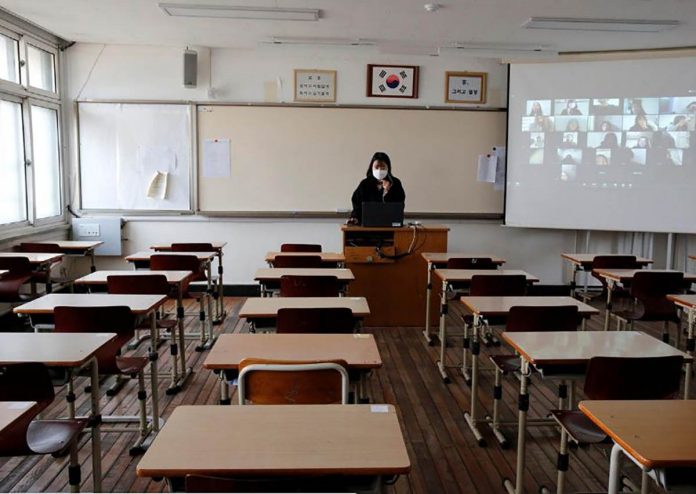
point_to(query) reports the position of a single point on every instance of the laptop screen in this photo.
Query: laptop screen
(383, 214)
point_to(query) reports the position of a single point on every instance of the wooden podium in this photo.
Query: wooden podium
(392, 279)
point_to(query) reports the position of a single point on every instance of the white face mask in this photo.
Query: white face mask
(379, 174)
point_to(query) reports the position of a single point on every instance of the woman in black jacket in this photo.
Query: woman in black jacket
(379, 185)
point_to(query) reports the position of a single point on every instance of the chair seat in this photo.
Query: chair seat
(506, 363)
(10, 285)
(131, 365)
(53, 436)
(579, 426)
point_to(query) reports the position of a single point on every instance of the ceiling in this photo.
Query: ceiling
(401, 25)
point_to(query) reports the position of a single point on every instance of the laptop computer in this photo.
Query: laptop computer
(383, 214)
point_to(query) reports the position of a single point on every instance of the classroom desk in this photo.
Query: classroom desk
(140, 305)
(12, 411)
(439, 260)
(332, 258)
(278, 440)
(39, 261)
(220, 313)
(653, 444)
(624, 276)
(265, 308)
(462, 276)
(175, 279)
(76, 248)
(273, 275)
(583, 262)
(358, 350)
(687, 303)
(482, 307)
(544, 350)
(206, 258)
(72, 351)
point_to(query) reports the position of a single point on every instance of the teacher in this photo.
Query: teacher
(379, 185)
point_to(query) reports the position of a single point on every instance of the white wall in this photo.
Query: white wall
(155, 73)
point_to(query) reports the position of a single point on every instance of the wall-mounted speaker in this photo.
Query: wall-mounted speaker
(190, 68)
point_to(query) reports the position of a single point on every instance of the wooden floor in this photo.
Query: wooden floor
(443, 452)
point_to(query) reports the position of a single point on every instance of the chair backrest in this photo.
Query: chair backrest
(505, 285)
(643, 378)
(277, 382)
(17, 266)
(108, 319)
(471, 263)
(309, 286)
(300, 248)
(23, 382)
(147, 284)
(164, 262)
(40, 247)
(613, 262)
(332, 320)
(193, 247)
(651, 289)
(543, 318)
(301, 261)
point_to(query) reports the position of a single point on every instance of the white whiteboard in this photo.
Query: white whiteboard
(310, 159)
(122, 145)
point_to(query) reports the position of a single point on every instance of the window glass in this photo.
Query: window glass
(13, 201)
(41, 69)
(9, 66)
(46, 162)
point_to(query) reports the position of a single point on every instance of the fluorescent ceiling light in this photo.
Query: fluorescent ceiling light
(240, 12)
(621, 25)
(499, 50)
(304, 40)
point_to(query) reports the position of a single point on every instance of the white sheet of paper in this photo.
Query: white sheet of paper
(156, 158)
(216, 158)
(157, 189)
(486, 168)
(500, 153)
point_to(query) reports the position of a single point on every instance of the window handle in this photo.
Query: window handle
(27, 162)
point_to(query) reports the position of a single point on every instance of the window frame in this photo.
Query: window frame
(25, 222)
(5, 84)
(25, 42)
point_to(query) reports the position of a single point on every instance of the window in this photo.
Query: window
(13, 200)
(9, 59)
(41, 69)
(31, 169)
(46, 162)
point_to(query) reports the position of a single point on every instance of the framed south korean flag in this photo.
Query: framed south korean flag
(392, 81)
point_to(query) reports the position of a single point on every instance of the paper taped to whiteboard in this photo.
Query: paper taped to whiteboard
(157, 189)
(486, 168)
(216, 158)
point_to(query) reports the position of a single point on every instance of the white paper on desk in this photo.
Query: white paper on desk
(151, 159)
(500, 153)
(216, 158)
(486, 168)
(157, 189)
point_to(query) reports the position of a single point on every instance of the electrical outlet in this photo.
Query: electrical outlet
(88, 230)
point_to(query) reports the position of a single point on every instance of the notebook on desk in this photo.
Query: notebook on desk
(383, 214)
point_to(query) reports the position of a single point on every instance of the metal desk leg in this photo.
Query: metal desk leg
(220, 313)
(690, 347)
(207, 341)
(607, 316)
(615, 469)
(470, 417)
(443, 332)
(184, 372)
(96, 428)
(154, 378)
(93, 265)
(523, 406)
(224, 389)
(573, 283)
(428, 290)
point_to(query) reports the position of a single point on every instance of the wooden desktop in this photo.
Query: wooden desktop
(391, 281)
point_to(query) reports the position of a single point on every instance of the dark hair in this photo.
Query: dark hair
(379, 156)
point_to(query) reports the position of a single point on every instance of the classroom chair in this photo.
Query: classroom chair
(32, 382)
(508, 285)
(650, 289)
(531, 318)
(309, 286)
(44, 276)
(109, 319)
(200, 281)
(164, 262)
(331, 320)
(301, 261)
(482, 263)
(20, 272)
(609, 262)
(615, 378)
(278, 382)
(300, 248)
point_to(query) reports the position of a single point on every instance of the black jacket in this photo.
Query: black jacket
(369, 191)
